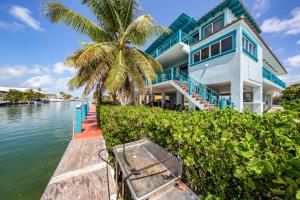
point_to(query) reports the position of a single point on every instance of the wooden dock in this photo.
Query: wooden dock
(81, 174)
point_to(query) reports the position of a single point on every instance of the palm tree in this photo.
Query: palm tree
(111, 61)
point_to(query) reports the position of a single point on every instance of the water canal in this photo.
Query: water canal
(32, 140)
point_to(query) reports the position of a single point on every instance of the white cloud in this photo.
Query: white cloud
(294, 61)
(290, 78)
(298, 42)
(8, 72)
(288, 26)
(48, 83)
(279, 50)
(12, 71)
(260, 7)
(38, 81)
(24, 15)
(10, 26)
(37, 76)
(60, 68)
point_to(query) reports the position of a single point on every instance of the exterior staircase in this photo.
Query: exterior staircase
(200, 95)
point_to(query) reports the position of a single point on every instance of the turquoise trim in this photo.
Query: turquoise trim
(248, 37)
(222, 16)
(271, 77)
(232, 33)
(210, 58)
(250, 55)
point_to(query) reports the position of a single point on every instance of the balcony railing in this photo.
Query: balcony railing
(175, 38)
(268, 75)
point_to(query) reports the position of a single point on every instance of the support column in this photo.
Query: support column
(258, 99)
(179, 98)
(152, 97)
(237, 94)
(270, 99)
(136, 99)
(145, 99)
(163, 99)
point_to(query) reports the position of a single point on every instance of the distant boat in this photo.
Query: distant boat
(2, 103)
(37, 101)
(45, 101)
(57, 100)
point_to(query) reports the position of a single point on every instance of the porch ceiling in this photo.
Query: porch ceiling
(174, 55)
(270, 86)
(162, 87)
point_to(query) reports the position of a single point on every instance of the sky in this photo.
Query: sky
(33, 51)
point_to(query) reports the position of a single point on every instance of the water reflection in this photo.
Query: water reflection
(32, 141)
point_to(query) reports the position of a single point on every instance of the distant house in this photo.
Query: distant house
(220, 59)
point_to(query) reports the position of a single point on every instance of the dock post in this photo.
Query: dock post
(83, 113)
(86, 108)
(78, 113)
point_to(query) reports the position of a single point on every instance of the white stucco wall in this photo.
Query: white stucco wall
(251, 69)
(229, 16)
(220, 69)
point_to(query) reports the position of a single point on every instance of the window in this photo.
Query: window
(217, 25)
(226, 44)
(213, 27)
(196, 36)
(215, 49)
(249, 46)
(205, 53)
(196, 56)
(208, 30)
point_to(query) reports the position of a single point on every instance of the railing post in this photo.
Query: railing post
(83, 113)
(86, 109)
(78, 125)
(190, 87)
(179, 35)
(223, 103)
(172, 73)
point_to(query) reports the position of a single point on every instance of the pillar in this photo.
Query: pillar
(236, 89)
(258, 99)
(152, 97)
(270, 99)
(163, 99)
(179, 98)
(145, 99)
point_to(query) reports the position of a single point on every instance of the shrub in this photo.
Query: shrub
(226, 154)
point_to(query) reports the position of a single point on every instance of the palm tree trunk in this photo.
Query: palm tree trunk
(131, 100)
(99, 98)
(114, 97)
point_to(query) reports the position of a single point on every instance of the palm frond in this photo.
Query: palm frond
(117, 74)
(142, 29)
(56, 12)
(92, 53)
(97, 77)
(154, 63)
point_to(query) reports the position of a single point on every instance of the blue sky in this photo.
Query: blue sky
(33, 50)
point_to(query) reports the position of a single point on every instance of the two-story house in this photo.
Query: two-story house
(219, 60)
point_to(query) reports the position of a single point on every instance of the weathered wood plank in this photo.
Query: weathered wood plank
(92, 185)
(81, 174)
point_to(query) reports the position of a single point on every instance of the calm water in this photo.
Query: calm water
(32, 140)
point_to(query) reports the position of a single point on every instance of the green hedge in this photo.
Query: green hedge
(226, 154)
